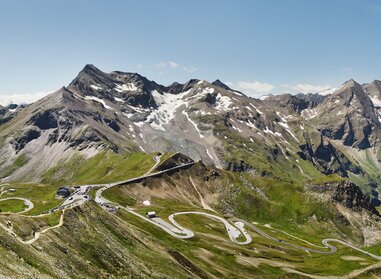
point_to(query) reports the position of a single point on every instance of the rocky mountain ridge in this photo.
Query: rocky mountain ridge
(205, 121)
(347, 194)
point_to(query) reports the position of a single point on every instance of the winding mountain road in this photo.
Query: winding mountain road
(235, 227)
(29, 205)
(234, 231)
(103, 201)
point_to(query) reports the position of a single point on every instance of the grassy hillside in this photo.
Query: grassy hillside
(93, 241)
(105, 167)
(211, 249)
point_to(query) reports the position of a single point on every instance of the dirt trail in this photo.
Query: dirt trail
(353, 274)
(37, 235)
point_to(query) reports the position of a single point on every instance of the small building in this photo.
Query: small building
(63, 192)
(151, 214)
(12, 190)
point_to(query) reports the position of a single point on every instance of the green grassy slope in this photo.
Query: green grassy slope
(261, 259)
(105, 167)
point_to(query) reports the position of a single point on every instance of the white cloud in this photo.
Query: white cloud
(174, 65)
(22, 98)
(168, 64)
(307, 88)
(255, 86)
(140, 66)
(190, 69)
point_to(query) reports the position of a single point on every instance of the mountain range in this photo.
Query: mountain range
(206, 121)
(309, 160)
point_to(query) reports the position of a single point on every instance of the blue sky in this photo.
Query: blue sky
(260, 47)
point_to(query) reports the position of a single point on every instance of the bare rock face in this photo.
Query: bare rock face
(348, 194)
(175, 160)
(373, 89)
(348, 115)
(131, 88)
(176, 88)
(9, 112)
(326, 157)
(238, 166)
(45, 120)
(24, 138)
(298, 102)
(313, 99)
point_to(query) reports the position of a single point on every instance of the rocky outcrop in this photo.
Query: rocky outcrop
(326, 157)
(297, 102)
(26, 136)
(174, 161)
(373, 89)
(131, 88)
(45, 120)
(349, 115)
(222, 85)
(313, 99)
(346, 193)
(176, 88)
(288, 101)
(9, 112)
(238, 166)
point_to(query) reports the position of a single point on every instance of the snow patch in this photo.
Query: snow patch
(328, 91)
(96, 87)
(309, 113)
(192, 122)
(118, 100)
(235, 92)
(204, 112)
(99, 101)
(223, 102)
(168, 105)
(283, 118)
(236, 128)
(210, 156)
(268, 131)
(208, 90)
(264, 97)
(139, 124)
(260, 112)
(126, 87)
(287, 128)
(376, 101)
